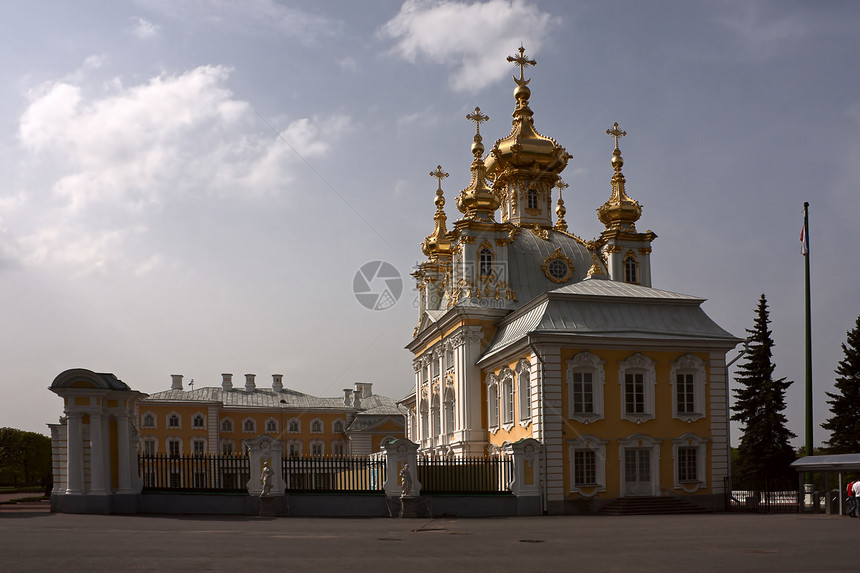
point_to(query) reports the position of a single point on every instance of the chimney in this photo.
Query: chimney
(250, 386)
(226, 382)
(347, 397)
(364, 389)
(356, 400)
(176, 382)
(278, 382)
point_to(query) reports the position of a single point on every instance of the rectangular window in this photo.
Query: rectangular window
(173, 448)
(584, 473)
(295, 450)
(337, 449)
(687, 464)
(634, 393)
(149, 447)
(316, 449)
(685, 394)
(198, 447)
(583, 393)
(227, 448)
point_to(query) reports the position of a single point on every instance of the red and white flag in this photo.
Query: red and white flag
(804, 241)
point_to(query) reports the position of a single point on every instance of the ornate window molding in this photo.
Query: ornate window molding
(338, 426)
(486, 259)
(174, 421)
(586, 378)
(631, 268)
(198, 421)
(227, 447)
(150, 446)
(587, 457)
(689, 453)
(688, 381)
(637, 378)
(174, 446)
(524, 391)
(294, 426)
(272, 426)
(317, 447)
(294, 448)
(198, 446)
(558, 267)
(249, 426)
(653, 446)
(338, 448)
(492, 403)
(316, 426)
(449, 402)
(227, 425)
(506, 390)
(149, 421)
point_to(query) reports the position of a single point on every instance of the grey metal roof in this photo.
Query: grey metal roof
(609, 309)
(833, 462)
(268, 398)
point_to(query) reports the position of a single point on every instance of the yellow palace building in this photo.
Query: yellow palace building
(528, 331)
(217, 420)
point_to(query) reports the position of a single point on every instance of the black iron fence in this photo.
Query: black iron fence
(335, 474)
(465, 475)
(757, 495)
(203, 472)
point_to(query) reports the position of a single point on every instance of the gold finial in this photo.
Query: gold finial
(616, 133)
(523, 62)
(561, 225)
(478, 118)
(440, 175)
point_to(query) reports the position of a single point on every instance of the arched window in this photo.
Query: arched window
(449, 410)
(198, 421)
(249, 425)
(524, 390)
(631, 269)
(492, 402)
(316, 426)
(226, 425)
(272, 426)
(148, 420)
(532, 199)
(337, 427)
(485, 262)
(434, 414)
(173, 421)
(507, 396)
(293, 426)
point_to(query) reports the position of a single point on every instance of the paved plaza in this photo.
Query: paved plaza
(40, 541)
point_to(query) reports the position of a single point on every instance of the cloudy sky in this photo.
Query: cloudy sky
(190, 187)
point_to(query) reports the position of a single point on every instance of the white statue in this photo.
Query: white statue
(266, 478)
(405, 481)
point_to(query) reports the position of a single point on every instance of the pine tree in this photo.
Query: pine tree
(844, 426)
(764, 450)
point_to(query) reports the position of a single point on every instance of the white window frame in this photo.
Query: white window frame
(227, 422)
(298, 429)
(435, 415)
(689, 364)
(524, 392)
(154, 443)
(319, 443)
(245, 429)
(493, 403)
(194, 442)
(319, 423)
(334, 429)
(690, 440)
(638, 364)
(338, 444)
(173, 440)
(640, 441)
(178, 425)
(506, 394)
(297, 444)
(269, 422)
(227, 444)
(450, 410)
(598, 446)
(586, 362)
(153, 417)
(195, 417)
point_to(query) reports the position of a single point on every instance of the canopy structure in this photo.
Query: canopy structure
(839, 463)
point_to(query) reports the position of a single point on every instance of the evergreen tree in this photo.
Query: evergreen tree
(764, 450)
(844, 426)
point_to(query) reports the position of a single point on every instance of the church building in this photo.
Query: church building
(528, 331)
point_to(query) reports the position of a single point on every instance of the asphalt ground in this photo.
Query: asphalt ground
(39, 541)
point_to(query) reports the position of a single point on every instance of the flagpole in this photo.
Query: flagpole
(809, 441)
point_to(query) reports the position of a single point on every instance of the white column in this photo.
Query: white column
(75, 450)
(124, 456)
(97, 455)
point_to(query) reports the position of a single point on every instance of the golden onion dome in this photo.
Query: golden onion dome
(439, 242)
(620, 211)
(478, 200)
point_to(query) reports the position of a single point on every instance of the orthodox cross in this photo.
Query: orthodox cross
(478, 118)
(616, 133)
(439, 174)
(561, 186)
(523, 62)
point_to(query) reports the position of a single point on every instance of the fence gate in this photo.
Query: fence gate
(756, 495)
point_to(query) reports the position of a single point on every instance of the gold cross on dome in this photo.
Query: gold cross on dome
(561, 185)
(478, 118)
(616, 133)
(523, 62)
(439, 174)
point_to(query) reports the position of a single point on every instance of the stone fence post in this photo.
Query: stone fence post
(398, 453)
(261, 450)
(525, 482)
